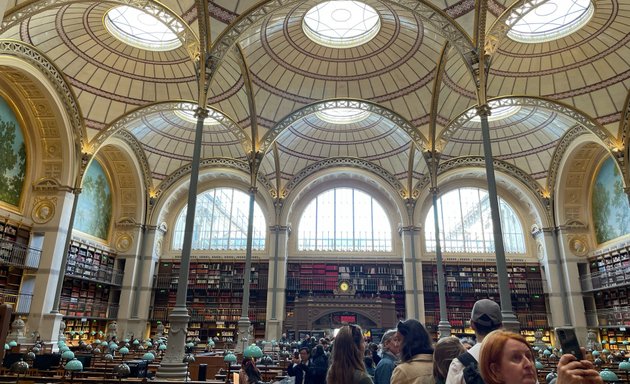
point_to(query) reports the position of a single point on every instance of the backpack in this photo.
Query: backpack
(471, 370)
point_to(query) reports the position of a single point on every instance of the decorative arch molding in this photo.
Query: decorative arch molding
(624, 134)
(221, 162)
(427, 12)
(323, 312)
(414, 134)
(539, 102)
(30, 55)
(140, 156)
(186, 35)
(510, 170)
(350, 162)
(124, 121)
(560, 155)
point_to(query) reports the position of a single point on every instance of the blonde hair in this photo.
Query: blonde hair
(446, 349)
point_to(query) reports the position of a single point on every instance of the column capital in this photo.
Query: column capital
(483, 110)
(280, 229)
(201, 113)
(411, 229)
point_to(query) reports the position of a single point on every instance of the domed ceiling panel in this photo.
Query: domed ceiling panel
(373, 139)
(168, 142)
(589, 69)
(395, 69)
(109, 77)
(526, 139)
(457, 92)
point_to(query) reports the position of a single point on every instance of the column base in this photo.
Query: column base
(49, 329)
(173, 371)
(243, 335)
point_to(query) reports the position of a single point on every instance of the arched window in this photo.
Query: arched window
(344, 220)
(221, 222)
(466, 224)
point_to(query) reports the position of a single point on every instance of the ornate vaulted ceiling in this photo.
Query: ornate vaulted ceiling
(415, 78)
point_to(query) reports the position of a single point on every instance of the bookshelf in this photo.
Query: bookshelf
(366, 279)
(89, 295)
(469, 282)
(608, 281)
(90, 263)
(214, 298)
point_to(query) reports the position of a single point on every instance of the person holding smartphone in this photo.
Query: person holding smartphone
(574, 371)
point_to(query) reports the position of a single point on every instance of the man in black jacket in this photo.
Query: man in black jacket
(299, 367)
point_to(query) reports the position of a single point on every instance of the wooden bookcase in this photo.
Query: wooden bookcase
(214, 297)
(367, 280)
(469, 282)
(608, 281)
(88, 298)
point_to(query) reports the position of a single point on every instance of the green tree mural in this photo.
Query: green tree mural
(611, 212)
(94, 208)
(12, 156)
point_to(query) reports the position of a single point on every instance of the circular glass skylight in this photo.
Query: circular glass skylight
(143, 28)
(189, 115)
(497, 113)
(545, 20)
(342, 115)
(341, 24)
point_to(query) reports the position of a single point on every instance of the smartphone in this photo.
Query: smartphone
(569, 342)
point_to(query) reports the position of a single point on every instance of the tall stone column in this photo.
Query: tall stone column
(52, 214)
(573, 247)
(551, 260)
(412, 269)
(277, 282)
(137, 288)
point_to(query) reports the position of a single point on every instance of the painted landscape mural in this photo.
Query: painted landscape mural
(94, 208)
(611, 213)
(12, 156)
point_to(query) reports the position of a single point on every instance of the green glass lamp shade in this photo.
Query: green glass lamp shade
(190, 344)
(148, 356)
(547, 352)
(162, 347)
(126, 341)
(148, 343)
(74, 365)
(97, 341)
(123, 351)
(550, 376)
(96, 350)
(229, 358)
(12, 343)
(104, 343)
(605, 351)
(539, 365)
(595, 353)
(61, 343)
(92, 333)
(108, 357)
(624, 366)
(6, 347)
(608, 375)
(113, 346)
(67, 355)
(122, 370)
(613, 342)
(19, 366)
(136, 342)
(257, 352)
(189, 358)
(64, 349)
(210, 343)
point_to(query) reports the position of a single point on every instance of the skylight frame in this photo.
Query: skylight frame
(342, 115)
(126, 30)
(337, 33)
(528, 28)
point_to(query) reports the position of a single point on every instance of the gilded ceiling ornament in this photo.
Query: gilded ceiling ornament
(578, 246)
(44, 209)
(123, 242)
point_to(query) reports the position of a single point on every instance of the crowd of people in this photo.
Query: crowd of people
(408, 356)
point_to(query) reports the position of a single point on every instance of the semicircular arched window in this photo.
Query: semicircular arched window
(221, 222)
(344, 220)
(466, 224)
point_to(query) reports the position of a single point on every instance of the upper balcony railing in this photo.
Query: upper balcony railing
(19, 255)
